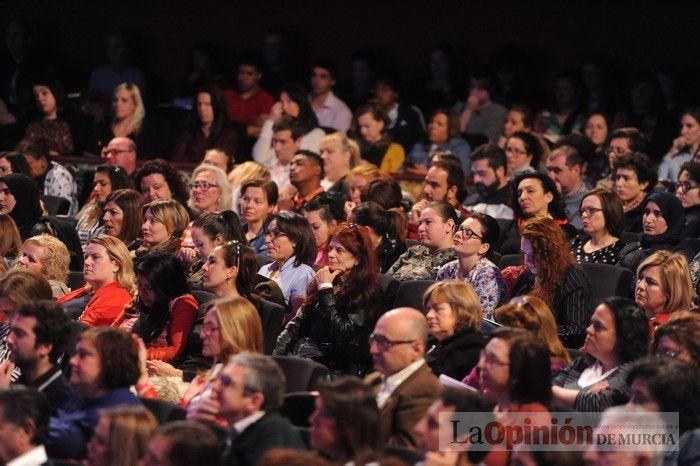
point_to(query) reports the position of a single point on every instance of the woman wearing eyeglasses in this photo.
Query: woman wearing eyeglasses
(523, 153)
(473, 240)
(617, 335)
(679, 338)
(599, 243)
(291, 245)
(688, 192)
(344, 301)
(210, 191)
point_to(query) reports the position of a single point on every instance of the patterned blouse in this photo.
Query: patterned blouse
(56, 133)
(608, 255)
(419, 264)
(484, 277)
(59, 182)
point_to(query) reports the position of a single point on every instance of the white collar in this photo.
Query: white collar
(331, 101)
(34, 457)
(394, 380)
(243, 424)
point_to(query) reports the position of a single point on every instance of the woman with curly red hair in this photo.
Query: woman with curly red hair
(333, 325)
(553, 275)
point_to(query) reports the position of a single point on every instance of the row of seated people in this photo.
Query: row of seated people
(517, 368)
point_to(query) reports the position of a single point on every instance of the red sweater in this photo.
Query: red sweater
(183, 311)
(106, 303)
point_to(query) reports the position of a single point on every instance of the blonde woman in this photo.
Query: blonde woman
(109, 277)
(357, 180)
(231, 325)
(128, 120)
(121, 436)
(663, 286)
(340, 154)
(47, 256)
(164, 222)
(454, 318)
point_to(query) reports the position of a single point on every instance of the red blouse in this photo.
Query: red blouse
(106, 303)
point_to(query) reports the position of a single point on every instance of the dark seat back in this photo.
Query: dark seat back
(410, 293)
(298, 406)
(75, 280)
(390, 287)
(164, 411)
(56, 205)
(76, 329)
(509, 260)
(302, 374)
(608, 280)
(272, 317)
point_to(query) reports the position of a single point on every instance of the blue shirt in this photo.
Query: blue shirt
(72, 426)
(293, 281)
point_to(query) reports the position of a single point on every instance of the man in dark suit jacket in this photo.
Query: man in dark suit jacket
(24, 421)
(248, 395)
(404, 384)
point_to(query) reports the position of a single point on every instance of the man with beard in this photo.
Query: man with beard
(492, 197)
(38, 334)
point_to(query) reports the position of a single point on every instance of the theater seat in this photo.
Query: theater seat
(164, 411)
(410, 293)
(608, 280)
(298, 406)
(56, 205)
(302, 374)
(390, 287)
(75, 280)
(271, 316)
(510, 260)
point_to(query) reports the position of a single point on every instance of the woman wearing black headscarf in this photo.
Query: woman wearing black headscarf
(20, 199)
(663, 224)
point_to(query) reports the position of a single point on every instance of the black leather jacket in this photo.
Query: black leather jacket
(337, 327)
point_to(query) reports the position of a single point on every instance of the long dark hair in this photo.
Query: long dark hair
(362, 283)
(307, 119)
(225, 223)
(237, 254)
(168, 280)
(298, 230)
(218, 104)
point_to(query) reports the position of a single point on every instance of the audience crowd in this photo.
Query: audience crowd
(306, 274)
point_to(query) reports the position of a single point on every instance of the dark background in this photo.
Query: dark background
(631, 36)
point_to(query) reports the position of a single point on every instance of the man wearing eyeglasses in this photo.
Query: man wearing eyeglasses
(121, 152)
(404, 384)
(247, 394)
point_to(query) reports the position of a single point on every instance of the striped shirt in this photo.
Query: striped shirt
(618, 391)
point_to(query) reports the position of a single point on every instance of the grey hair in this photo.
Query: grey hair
(263, 375)
(221, 180)
(628, 418)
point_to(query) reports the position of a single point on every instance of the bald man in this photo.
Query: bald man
(404, 384)
(122, 153)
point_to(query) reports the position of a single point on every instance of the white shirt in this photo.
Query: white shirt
(265, 155)
(593, 374)
(279, 173)
(391, 383)
(34, 457)
(334, 114)
(243, 424)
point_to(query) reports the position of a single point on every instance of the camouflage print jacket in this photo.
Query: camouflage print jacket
(419, 264)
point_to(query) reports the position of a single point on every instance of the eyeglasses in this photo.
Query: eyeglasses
(208, 329)
(589, 211)
(274, 234)
(668, 354)
(614, 150)
(227, 382)
(491, 360)
(116, 151)
(384, 343)
(203, 185)
(467, 233)
(684, 187)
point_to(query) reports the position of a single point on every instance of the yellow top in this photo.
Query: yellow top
(393, 158)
